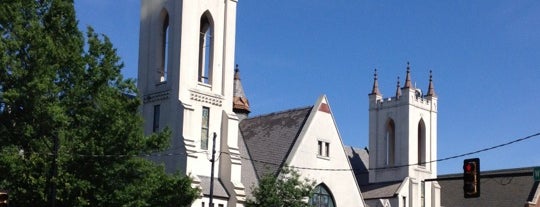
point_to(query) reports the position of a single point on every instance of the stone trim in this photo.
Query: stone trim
(156, 96)
(203, 97)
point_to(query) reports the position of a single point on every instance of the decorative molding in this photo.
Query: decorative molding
(203, 97)
(191, 147)
(156, 96)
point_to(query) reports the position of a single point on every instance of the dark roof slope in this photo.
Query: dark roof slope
(219, 190)
(380, 190)
(359, 159)
(510, 190)
(270, 138)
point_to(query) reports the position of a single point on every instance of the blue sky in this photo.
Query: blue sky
(485, 57)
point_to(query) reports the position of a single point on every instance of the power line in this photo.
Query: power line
(362, 170)
(406, 165)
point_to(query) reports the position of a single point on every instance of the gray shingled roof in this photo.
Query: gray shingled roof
(494, 192)
(219, 190)
(269, 138)
(359, 159)
(380, 190)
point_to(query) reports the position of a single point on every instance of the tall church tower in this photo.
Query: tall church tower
(403, 140)
(186, 77)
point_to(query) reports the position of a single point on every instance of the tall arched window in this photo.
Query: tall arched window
(164, 47)
(322, 197)
(390, 138)
(421, 143)
(206, 45)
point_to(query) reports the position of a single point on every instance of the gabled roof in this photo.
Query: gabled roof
(270, 138)
(516, 188)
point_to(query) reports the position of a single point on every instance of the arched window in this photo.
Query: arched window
(390, 138)
(206, 46)
(421, 143)
(322, 197)
(164, 58)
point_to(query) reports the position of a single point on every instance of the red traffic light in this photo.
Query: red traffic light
(471, 178)
(469, 167)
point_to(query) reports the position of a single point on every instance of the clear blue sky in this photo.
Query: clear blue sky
(485, 57)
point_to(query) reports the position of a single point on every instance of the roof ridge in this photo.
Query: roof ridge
(280, 112)
(495, 171)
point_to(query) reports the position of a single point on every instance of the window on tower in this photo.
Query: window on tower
(421, 143)
(390, 138)
(205, 127)
(164, 49)
(423, 194)
(206, 47)
(155, 125)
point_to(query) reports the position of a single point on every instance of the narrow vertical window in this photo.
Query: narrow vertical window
(320, 148)
(423, 194)
(205, 127)
(206, 44)
(327, 149)
(390, 143)
(164, 49)
(155, 125)
(421, 143)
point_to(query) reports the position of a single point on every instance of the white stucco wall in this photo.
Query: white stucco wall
(321, 126)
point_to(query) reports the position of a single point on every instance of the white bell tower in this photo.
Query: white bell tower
(403, 139)
(186, 77)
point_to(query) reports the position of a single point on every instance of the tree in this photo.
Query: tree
(285, 190)
(70, 130)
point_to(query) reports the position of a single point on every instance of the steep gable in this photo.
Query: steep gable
(319, 155)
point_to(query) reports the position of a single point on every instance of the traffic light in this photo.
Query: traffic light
(471, 178)
(3, 199)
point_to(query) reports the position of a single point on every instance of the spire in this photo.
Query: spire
(240, 102)
(431, 88)
(408, 77)
(375, 90)
(398, 89)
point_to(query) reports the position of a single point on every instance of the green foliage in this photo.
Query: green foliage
(58, 84)
(286, 190)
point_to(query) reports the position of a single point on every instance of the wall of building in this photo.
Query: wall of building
(321, 126)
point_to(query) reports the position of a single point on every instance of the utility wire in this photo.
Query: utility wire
(406, 165)
(360, 170)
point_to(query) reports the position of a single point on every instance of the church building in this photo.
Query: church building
(189, 84)
(402, 146)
